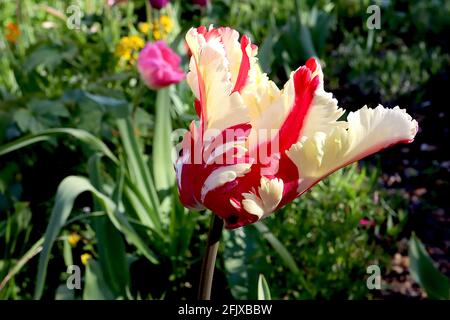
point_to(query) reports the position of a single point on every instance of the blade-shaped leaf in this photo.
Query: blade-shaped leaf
(425, 272)
(277, 246)
(243, 261)
(67, 253)
(112, 256)
(282, 252)
(64, 293)
(266, 55)
(67, 192)
(95, 285)
(181, 227)
(46, 135)
(162, 144)
(263, 289)
(34, 250)
(111, 246)
(138, 169)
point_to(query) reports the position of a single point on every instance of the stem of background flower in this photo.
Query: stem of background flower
(298, 8)
(148, 11)
(209, 259)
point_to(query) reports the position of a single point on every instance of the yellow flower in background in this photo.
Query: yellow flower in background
(157, 35)
(123, 47)
(160, 28)
(136, 42)
(128, 47)
(126, 56)
(166, 23)
(12, 33)
(73, 239)
(144, 27)
(85, 258)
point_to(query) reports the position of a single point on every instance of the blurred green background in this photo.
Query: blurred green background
(97, 191)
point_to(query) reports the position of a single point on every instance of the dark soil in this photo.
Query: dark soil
(421, 171)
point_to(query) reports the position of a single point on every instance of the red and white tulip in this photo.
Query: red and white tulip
(256, 147)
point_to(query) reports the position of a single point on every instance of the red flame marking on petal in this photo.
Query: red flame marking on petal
(244, 67)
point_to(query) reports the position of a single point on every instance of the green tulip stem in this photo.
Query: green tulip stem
(209, 259)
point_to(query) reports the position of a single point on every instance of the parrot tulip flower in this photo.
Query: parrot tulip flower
(256, 147)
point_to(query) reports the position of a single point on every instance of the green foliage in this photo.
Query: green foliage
(316, 247)
(263, 289)
(386, 72)
(141, 202)
(96, 287)
(242, 260)
(423, 270)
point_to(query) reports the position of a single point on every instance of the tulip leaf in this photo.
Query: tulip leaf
(321, 27)
(423, 270)
(243, 261)
(263, 289)
(162, 148)
(139, 203)
(67, 253)
(112, 256)
(284, 254)
(39, 115)
(64, 293)
(111, 246)
(46, 135)
(277, 246)
(68, 190)
(49, 56)
(117, 106)
(138, 169)
(34, 250)
(95, 285)
(266, 54)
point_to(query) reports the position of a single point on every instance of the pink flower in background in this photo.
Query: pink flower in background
(367, 222)
(159, 4)
(201, 3)
(159, 65)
